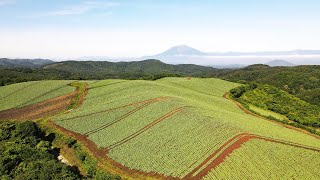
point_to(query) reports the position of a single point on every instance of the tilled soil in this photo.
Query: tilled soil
(42, 109)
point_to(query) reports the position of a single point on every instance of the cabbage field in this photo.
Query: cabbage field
(182, 128)
(179, 127)
(22, 94)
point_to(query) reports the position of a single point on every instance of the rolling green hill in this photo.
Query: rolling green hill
(30, 63)
(133, 70)
(148, 69)
(180, 128)
(301, 81)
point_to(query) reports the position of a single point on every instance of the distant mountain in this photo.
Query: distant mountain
(267, 53)
(29, 63)
(182, 50)
(280, 63)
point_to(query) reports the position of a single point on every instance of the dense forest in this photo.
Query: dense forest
(303, 114)
(301, 81)
(26, 154)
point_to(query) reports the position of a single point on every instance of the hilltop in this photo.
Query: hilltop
(29, 63)
(275, 63)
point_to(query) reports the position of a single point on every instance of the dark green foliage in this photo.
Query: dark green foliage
(301, 81)
(26, 155)
(238, 92)
(271, 98)
(86, 70)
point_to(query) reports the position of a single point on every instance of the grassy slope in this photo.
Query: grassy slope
(18, 95)
(267, 113)
(179, 143)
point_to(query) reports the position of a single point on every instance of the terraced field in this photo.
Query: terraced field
(32, 100)
(22, 94)
(185, 128)
(179, 128)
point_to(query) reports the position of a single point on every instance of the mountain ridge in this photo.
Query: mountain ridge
(276, 63)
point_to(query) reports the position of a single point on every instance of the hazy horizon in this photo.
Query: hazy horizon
(63, 30)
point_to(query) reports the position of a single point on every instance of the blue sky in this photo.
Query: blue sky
(75, 28)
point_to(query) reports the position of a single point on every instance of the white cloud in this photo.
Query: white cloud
(82, 8)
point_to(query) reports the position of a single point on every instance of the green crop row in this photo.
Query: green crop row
(258, 159)
(178, 144)
(22, 94)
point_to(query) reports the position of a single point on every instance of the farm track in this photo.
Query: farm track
(231, 145)
(145, 104)
(145, 128)
(116, 108)
(101, 155)
(42, 109)
(41, 95)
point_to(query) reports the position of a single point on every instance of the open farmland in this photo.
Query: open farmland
(257, 158)
(179, 127)
(22, 94)
(32, 100)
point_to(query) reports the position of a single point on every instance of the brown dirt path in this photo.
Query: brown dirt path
(147, 103)
(42, 109)
(190, 174)
(136, 104)
(241, 139)
(101, 155)
(157, 121)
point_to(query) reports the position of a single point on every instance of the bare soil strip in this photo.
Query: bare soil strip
(101, 155)
(122, 117)
(190, 174)
(118, 119)
(145, 128)
(41, 95)
(242, 138)
(42, 109)
(116, 108)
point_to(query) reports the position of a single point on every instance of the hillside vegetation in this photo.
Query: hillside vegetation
(26, 154)
(271, 98)
(80, 70)
(30, 63)
(301, 81)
